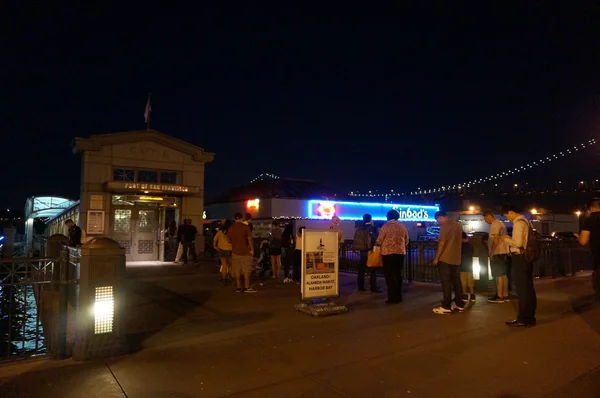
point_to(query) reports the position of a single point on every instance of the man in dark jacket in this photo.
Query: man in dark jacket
(187, 235)
(74, 234)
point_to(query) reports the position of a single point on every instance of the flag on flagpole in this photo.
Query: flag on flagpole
(147, 111)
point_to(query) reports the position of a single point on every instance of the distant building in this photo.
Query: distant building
(310, 204)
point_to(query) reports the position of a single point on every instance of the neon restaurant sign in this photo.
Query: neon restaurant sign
(324, 210)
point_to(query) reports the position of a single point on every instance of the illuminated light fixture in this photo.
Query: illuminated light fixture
(356, 210)
(578, 213)
(471, 208)
(104, 310)
(252, 203)
(152, 198)
(204, 215)
(534, 211)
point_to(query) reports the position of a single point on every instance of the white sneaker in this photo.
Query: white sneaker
(249, 290)
(441, 311)
(457, 308)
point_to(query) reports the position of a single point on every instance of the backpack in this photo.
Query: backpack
(533, 250)
(362, 239)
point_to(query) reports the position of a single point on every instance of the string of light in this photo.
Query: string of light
(489, 178)
(264, 176)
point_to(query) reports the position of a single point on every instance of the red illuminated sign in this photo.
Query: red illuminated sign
(326, 210)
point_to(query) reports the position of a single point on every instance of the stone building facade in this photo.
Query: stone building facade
(133, 184)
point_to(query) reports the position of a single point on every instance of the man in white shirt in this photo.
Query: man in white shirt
(498, 252)
(521, 268)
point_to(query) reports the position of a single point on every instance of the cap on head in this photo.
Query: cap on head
(238, 216)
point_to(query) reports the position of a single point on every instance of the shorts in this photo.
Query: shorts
(224, 253)
(498, 265)
(275, 251)
(466, 279)
(241, 264)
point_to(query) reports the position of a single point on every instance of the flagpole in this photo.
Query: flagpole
(148, 111)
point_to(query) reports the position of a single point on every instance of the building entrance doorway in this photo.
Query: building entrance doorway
(136, 230)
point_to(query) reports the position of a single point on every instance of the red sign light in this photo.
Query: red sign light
(326, 210)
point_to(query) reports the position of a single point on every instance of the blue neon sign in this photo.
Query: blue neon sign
(325, 209)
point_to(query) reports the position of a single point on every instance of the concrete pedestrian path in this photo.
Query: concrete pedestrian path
(193, 337)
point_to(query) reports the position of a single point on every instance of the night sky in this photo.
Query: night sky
(418, 98)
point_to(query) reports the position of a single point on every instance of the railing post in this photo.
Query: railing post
(409, 262)
(61, 336)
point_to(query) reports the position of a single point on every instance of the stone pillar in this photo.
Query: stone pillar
(9, 242)
(101, 311)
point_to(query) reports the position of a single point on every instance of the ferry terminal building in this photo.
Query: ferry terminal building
(133, 184)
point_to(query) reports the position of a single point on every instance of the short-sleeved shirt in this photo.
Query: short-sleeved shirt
(466, 258)
(238, 234)
(497, 228)
(451, 234)
(592, 224)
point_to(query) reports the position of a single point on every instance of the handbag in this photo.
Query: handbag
(374, 259)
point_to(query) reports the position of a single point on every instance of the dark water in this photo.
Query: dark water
(21, 332)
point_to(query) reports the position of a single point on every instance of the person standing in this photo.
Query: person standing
(448, 259)
(242, 248)
(466, 270)
(335, 227)
(498, 252)
(75, 234)
(364, 240)
(590, 233)
(521, 268)
(275, 248)
(180, 229)
(393, 239)
(188, 236)
(288, 248)
(223, 247)
(171, 240)
(297, 266)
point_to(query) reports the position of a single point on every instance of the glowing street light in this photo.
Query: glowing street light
(534, 211)
(471, 208)
(578, 213)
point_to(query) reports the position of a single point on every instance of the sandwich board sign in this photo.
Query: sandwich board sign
(320, 272)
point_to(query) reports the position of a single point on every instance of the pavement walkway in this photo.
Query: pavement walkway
(193, 337)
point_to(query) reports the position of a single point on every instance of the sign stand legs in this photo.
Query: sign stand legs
(322, 307)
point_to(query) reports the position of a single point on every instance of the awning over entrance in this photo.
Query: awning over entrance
(46, 206)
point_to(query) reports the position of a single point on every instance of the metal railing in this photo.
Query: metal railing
(556, 260)
(21, 281)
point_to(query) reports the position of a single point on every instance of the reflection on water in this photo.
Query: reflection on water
(21, 330)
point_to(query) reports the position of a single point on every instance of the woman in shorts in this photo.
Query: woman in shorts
(223, 246)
